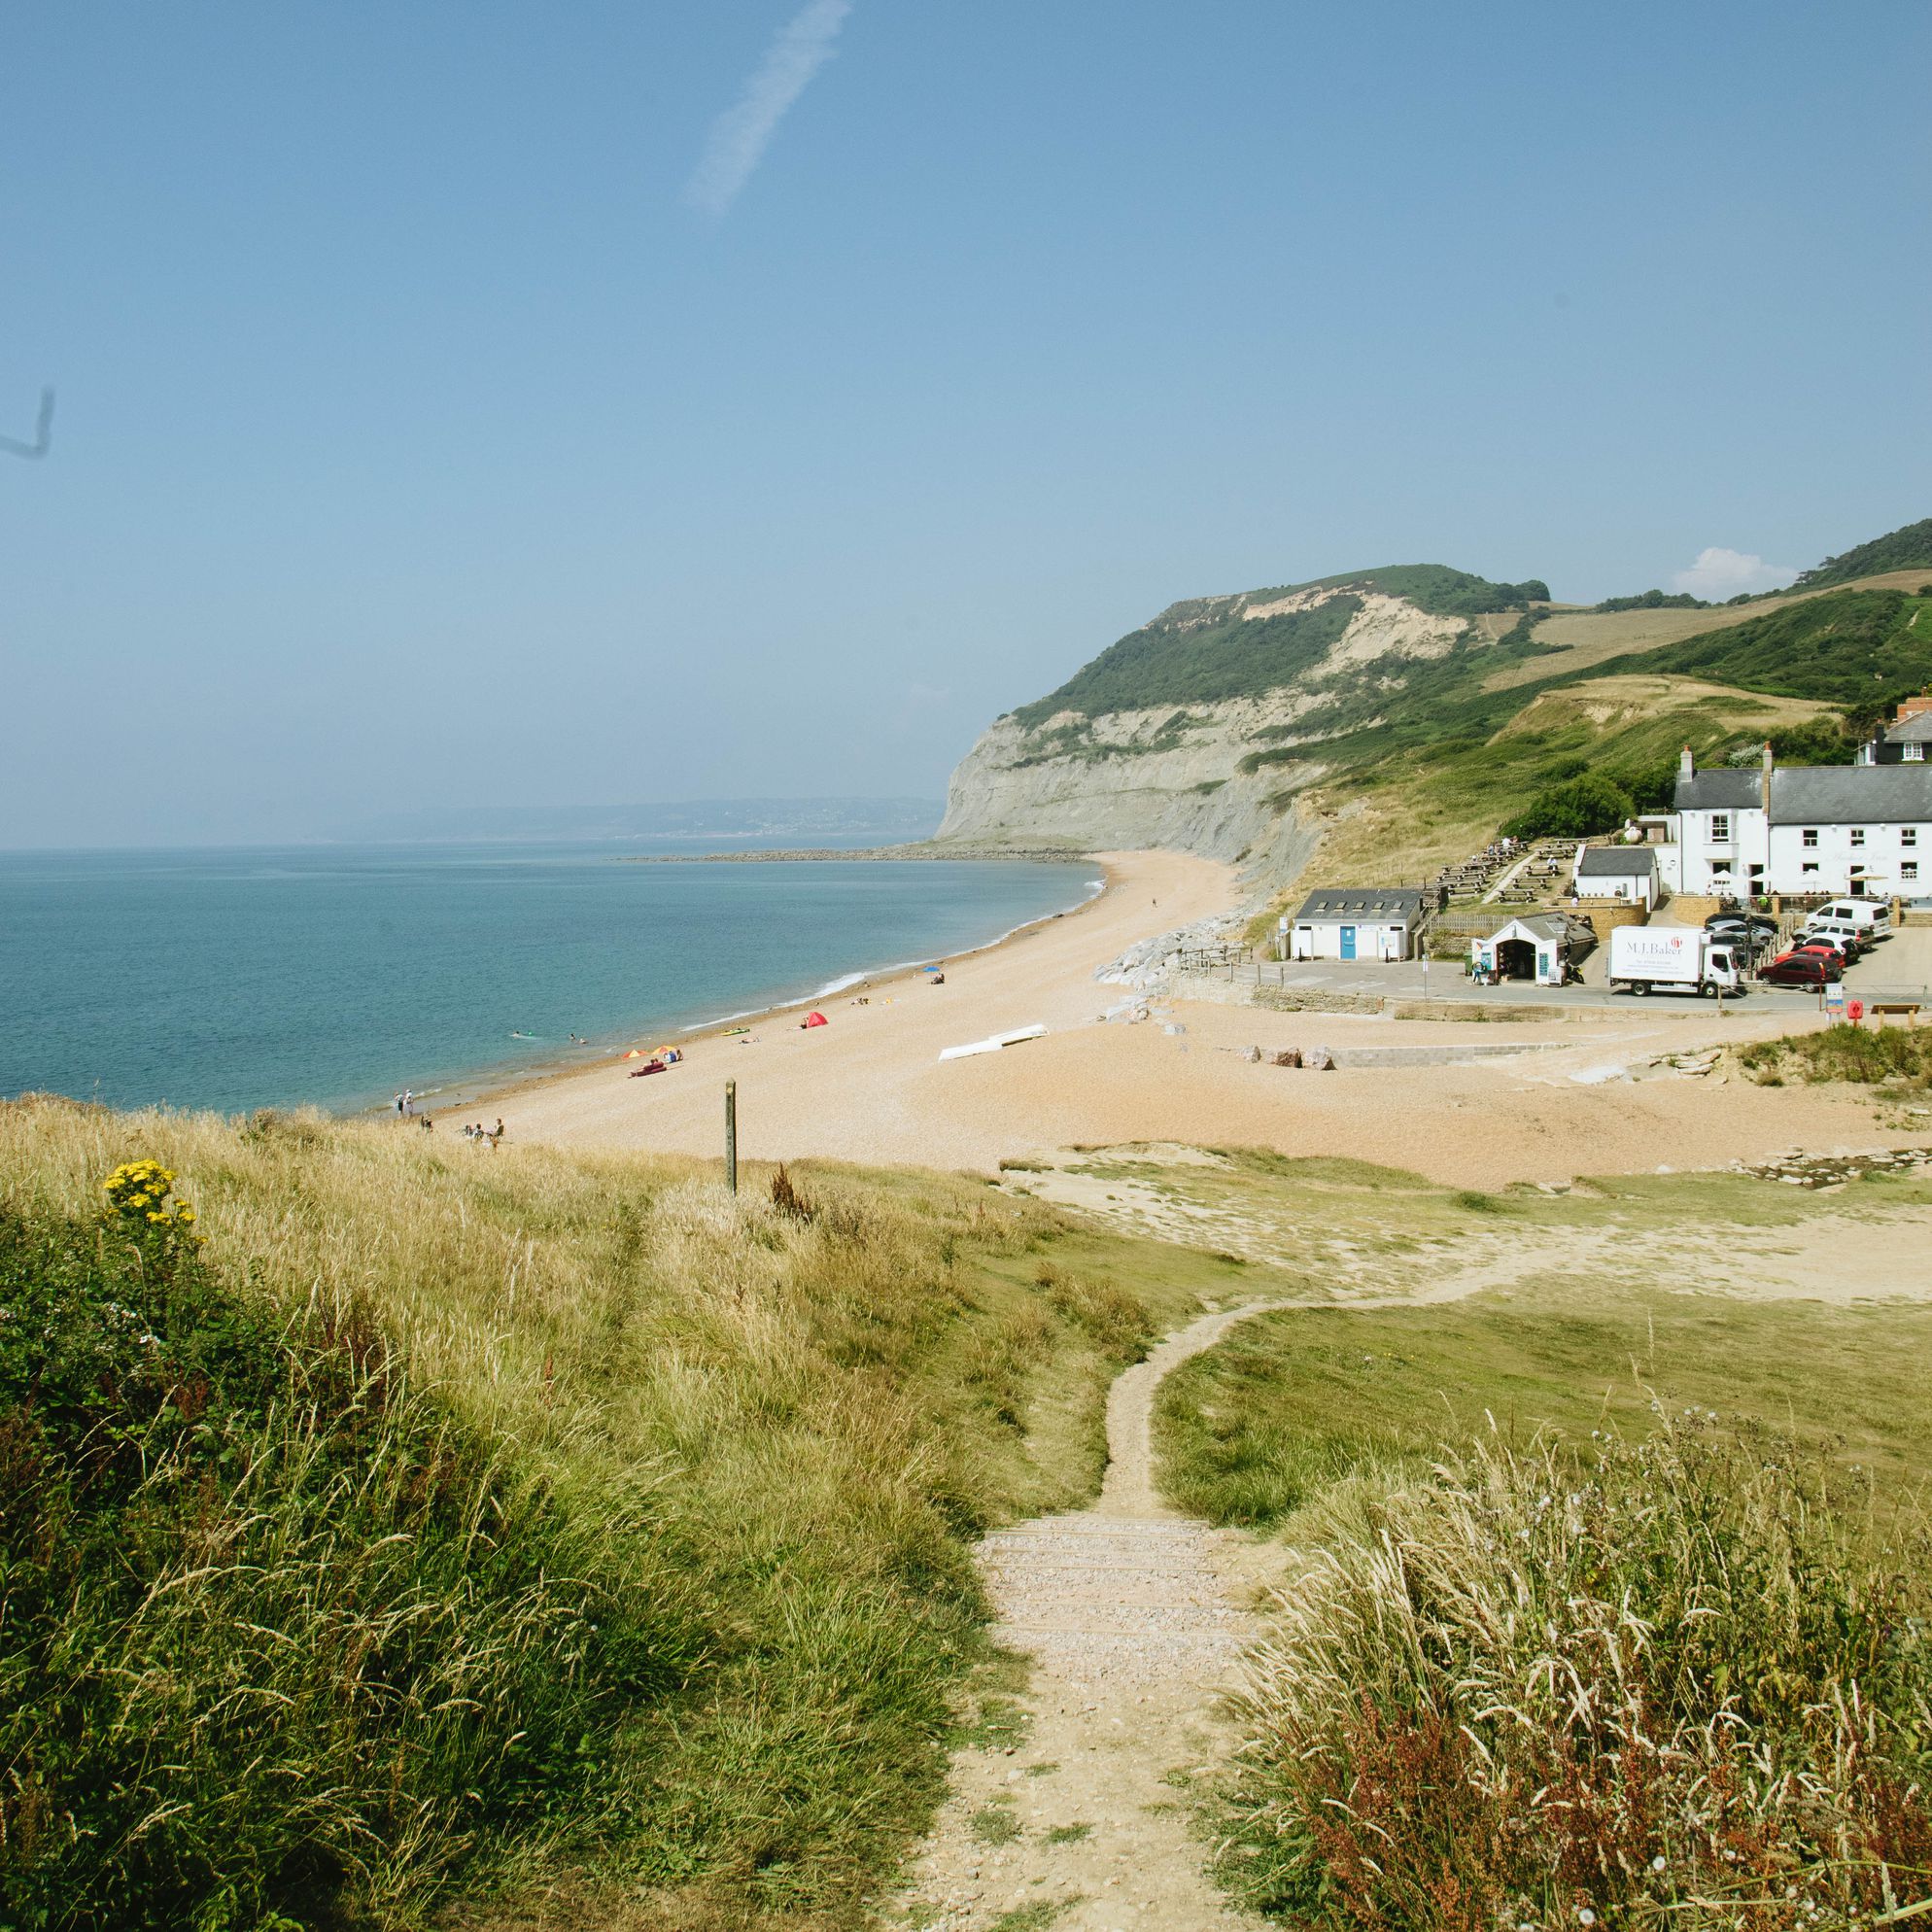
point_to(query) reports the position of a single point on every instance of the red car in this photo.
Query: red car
(1802, 969)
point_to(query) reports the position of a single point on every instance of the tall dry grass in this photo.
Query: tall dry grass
(770, 1423)
(1681, 1682)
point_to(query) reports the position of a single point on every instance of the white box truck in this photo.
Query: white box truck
(1671, 959)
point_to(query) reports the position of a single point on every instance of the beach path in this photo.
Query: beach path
(1133, 1617)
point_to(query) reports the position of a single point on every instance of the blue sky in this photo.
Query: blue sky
(450, 407)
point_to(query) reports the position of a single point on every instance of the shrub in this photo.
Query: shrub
(1843, 1052)
(1680, 1683)
(1573, 810)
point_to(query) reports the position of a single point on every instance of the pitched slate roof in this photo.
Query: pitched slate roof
(1617, 862)
(1851, 793)
(1911, 731)
(1538, 925)
(1728, 789)
(1349, 903)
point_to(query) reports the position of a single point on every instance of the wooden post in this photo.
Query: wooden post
(731, 1135)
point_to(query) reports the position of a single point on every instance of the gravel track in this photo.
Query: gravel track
(1131, 1615)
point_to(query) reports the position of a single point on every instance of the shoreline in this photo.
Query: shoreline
(923, 851)
(883, 1085)
(905, 971)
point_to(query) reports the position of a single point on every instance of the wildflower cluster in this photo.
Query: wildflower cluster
(138, 1193)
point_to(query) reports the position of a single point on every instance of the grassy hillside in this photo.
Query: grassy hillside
(1206, 650)
(506, 1527)
(1908, 547)
(1848, 648)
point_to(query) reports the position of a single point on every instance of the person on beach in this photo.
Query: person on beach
(398, 1105)
(408, 1103)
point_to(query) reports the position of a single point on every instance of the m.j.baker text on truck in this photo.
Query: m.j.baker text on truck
(1671, 960)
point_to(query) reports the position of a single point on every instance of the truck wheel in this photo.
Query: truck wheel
(1639, 987)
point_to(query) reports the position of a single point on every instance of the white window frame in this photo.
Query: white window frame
(1908, 869)
(1809, 838)
(1908, 834)
(1857, 836)
(1721, 828)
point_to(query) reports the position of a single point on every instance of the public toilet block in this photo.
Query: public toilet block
(1358, 922)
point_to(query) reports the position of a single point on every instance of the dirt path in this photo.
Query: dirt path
(1130, 1614)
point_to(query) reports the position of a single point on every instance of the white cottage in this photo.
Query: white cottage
(1358, 922)
(1616, 871)
(1826, 829)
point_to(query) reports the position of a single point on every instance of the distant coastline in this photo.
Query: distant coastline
(922, 852)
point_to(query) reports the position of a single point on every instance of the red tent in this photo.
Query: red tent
(817, 1019)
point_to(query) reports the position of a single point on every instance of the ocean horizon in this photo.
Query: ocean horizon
(236, 978)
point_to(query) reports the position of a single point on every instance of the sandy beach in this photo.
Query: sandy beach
(869, 1087)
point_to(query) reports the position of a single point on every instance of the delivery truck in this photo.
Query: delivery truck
(1672, 959)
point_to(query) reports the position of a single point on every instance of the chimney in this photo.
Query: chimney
(1764, 782)
(1686, 764)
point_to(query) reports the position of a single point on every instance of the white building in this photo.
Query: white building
(1616, 871)
(1538, 946)
(1358, 922)
(1862, 829)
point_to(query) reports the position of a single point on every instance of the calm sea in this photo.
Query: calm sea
(336, 974)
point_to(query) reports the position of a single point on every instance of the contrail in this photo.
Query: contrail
(43, 431)
(740, 136)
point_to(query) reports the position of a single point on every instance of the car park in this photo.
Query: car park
(1755, 923)
(1842, 945)
(1858, 939)
(1802, 969)
(1870, 917)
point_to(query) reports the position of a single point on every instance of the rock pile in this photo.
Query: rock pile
(1150, 964)
(1831, 1170)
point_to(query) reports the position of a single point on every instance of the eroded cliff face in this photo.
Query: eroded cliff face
(1186, 775)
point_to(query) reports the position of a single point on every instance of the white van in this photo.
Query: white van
(1869, 918)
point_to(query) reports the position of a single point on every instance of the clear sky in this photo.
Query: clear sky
(595, 403)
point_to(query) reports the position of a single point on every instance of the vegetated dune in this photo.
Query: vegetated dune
(1586, 636)
(471, 1525)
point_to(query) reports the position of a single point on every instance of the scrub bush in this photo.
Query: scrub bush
(1679, 1682)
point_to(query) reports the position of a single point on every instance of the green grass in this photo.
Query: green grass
(1851, 647)
(1897, 1056)
(1034, 1918)
(649, 1511)
(994, 1823)
(1068, 1833)
(1292, 1403)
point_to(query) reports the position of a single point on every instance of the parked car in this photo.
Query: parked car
(1755, 923)
(1841, 945)
(1802, 969)
(1871, 918)
(1860, 939)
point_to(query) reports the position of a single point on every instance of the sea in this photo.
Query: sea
(336, 976)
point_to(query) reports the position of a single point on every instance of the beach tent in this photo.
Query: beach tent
(815, 1020)
(635, 1054)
